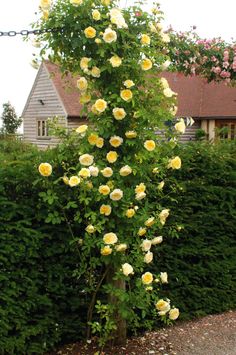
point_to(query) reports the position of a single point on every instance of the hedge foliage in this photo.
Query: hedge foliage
(42, 300)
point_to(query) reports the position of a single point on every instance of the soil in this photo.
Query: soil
(211, 335)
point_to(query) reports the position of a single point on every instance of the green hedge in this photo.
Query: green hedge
(202, 262)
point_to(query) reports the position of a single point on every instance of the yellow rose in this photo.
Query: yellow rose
(117, 18)
(125, 170)
(82, 84)
(157, 240)
(96, 72)
(127, 269)
(84, 98)
(129, 83)
(105, 2)
(92, 138)
(116, 195)
(96, 15)
(140, 188)
(109, 35)
(168, 92)
(149, 222)
(45, 4)
(150, 145)
(110, 238)
(146, 245)
(107, 172)
(106, 250)
(155, 171)
(174, 163)
(164, 83)
(94, 110)
(115, 61)
(98, 41)
(45, 169)
(148, 257)
(163, 215)
(131, 134)
(94, 171)
(84, 62)
(160, 185)
(140, 196)
(164, 277)
(165, 37)
(142, 231)
(119, 113)
(74, 181)
(173, 110)
(81, 129)
(106, 210)
(90, 229)
(174, 313)
(100, 142)
(146, 64)
(76, 2)
(147, 278)
(145, 39)
(126, 94)
(121, 247)
(112, 156)
(130, 213)
(65, 180)
(100, 105)
(84, 173)
(86, 159)
(115, 141)
(180, 126)
(162, 305)
(90, 32)
(104, 190)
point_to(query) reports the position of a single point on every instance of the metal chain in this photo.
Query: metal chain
(29, 32)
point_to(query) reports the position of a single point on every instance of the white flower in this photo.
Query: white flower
(180, 126)
(125, 170)
(117, 18)
(157, 240)
(174, 313)
(146, 245)
(148, 257)
(140, 196)
(121, 247)
(94, 171)
(116, 195)
(127, 269)
(164, 277)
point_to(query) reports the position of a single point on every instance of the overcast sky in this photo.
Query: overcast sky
(212, 18)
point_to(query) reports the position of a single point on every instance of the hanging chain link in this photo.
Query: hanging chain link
(29, 32)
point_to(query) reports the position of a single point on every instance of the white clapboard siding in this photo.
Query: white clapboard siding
(43, 89)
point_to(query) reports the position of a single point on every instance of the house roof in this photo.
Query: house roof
(196, 97)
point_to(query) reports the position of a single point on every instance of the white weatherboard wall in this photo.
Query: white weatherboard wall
(43, 89)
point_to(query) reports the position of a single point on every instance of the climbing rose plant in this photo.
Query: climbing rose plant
(117, 57)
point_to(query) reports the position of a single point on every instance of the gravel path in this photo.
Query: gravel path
(211, 335)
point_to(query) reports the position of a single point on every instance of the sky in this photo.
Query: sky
(212, 18)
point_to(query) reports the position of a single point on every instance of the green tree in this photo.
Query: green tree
(10, 120)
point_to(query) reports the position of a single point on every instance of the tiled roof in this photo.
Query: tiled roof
(196, 97)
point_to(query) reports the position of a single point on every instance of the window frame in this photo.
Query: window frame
(42, 129)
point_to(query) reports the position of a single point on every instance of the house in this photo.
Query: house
(210, 105)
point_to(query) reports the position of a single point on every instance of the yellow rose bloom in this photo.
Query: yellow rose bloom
(165, 37)
(168, 92)
(174, 313)
(115, 141)
(164, 83)
(164, 277)
(84, 98)
(106, 210)
(119, 113)
(149, 222)
(100, 105)
(106, 250)
(115, 61)
(146, 245)
(65, 180)
(76, 2)
(163, 215)
(84, 62)
(45, 169)
(129, 83)
(174, 163)
(92, 138)
(104, 190)
(86, 159)
(160, 185)
(82, 84)
(110, 238)
(109, 35)
(155, 170)
(100, 142)
(126, 94)
(96, 72)
(142, 231)
(116, 195)
(148, 257)
(150, 145)
(94, 171)
(96, 15)
(106, 2)
(130, 213)
(180, 126)
(45, 4)
(147, 278)
(140, 188)
(94, 110)
(81, 129)
(173, 110)
(162, 305)
(127, 269)
(125, 170)
(131, 134)
(74, 181)
(90, 229)
(145, 39)
(90, 32)
(140, 196)
(157, 240)
(121, 247)
(146, 64)
(98, 41)
(107, 172)
(112, 156)
(84, 173)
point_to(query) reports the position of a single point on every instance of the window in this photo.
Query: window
(42, 129)
(226, 129)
